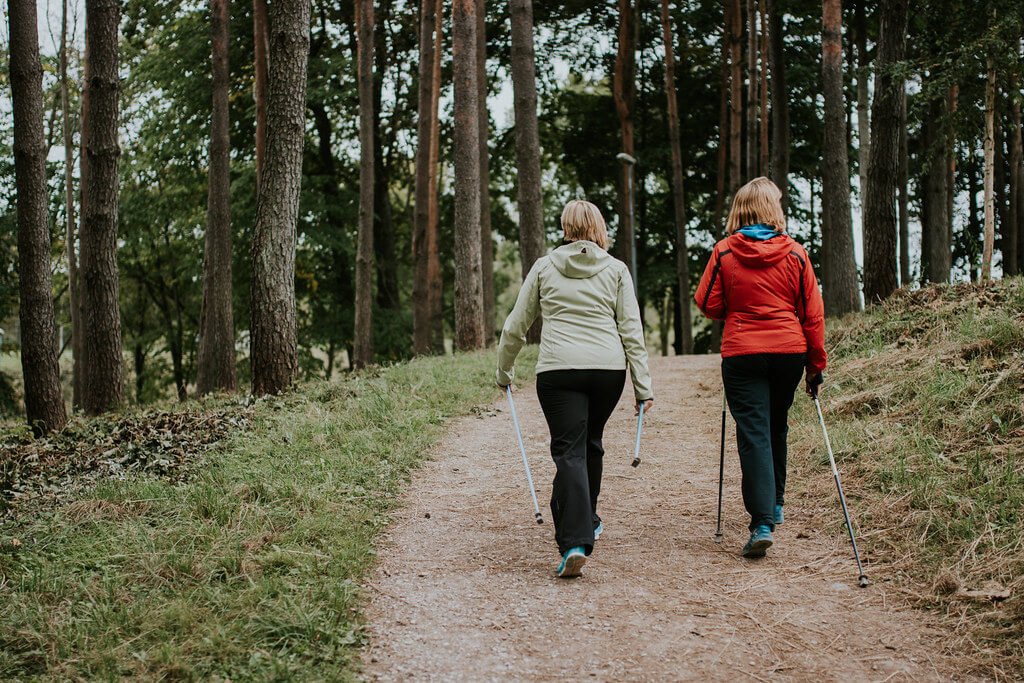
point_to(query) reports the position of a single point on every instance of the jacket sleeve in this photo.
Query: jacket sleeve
(631, 331)
(813, 320)
(518, 322)
(709, 297)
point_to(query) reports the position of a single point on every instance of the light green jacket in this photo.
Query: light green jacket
(591, 317)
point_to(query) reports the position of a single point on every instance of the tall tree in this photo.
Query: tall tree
(272, 306)
(735, 20)
(103, 385)
(752, 79)
(44, 404)
(902, 181)
(723, 123)
(421, 212)
(624, 92)
(860, 34)
(935, 246)
(840, 268)
(529, 199)
(363, 347)
(780, 102)
(83, 195)
(435, 284)
(879, 222)
(990, 156)
(486, 241)
(1012, 233)
(261, 40)
(69, 208)
(216, 364)
(762, 71)
(678, 196)
(469, 332)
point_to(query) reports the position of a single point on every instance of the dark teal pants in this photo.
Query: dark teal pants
(759, 388)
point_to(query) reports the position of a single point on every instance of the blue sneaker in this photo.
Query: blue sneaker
(572, 562)
(760, 541)
(598, 530)
(779, 517)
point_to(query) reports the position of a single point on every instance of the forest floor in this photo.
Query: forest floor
(466, 589)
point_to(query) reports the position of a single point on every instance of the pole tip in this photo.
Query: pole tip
(864, 581)
(718, 538)
(540, 520)
(636, 462)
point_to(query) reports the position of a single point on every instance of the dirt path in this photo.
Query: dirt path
(466, 589)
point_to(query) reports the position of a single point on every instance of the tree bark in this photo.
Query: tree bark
(763, 73)
(486, 241)
(949, 165)
(1011, 233)
(990, 219)
(723, 125)
(863, 104)
(103, 383)
(935, 246)
(678, 195)
(879, 220)
(216, 367)
(273, 316)
(527, 140)
(44, 403)
(624, 92)
(780, 103)
(260, 41)
(840, 289)
(752, 79)
(421, 212)
(69, 210)
(902, 181)
(83, 193)
(469, 332)
(435, 286)
(383, 221)
(363, 348)
(735, 20)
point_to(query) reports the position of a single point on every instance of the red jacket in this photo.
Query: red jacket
(766, 292)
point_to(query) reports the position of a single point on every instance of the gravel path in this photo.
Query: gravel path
(465, 588)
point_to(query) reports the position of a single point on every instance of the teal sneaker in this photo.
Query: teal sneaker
(760, 541)
(572, 562)
(598, 530)
(779, 517)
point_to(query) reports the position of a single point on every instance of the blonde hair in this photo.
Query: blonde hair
(759, 201)
(583, 221)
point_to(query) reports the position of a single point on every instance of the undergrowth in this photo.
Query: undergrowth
(245, 565)
(925, 405)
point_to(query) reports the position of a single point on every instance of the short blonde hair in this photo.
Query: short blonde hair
(583, 221)
(759, 201)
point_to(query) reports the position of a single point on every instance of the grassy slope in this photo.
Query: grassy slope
(252, 568)
(925, 405)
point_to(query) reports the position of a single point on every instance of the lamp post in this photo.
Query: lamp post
(629, 162)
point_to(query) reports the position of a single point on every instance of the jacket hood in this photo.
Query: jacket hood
(580, 259)
(758, 253)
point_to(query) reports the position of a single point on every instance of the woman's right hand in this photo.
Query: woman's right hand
(812, 384)
(646, 404)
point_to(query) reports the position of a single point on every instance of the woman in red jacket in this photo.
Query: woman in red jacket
(760, 281)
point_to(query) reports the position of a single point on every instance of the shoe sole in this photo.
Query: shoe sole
(573, 566)
(758, 548)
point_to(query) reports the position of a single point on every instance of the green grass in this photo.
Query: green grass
(252, 568)
(925, 404)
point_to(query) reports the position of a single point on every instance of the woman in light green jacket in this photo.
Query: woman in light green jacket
(591, 332)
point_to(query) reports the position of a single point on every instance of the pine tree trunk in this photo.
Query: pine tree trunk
(735, 20)
(486, 241)
(469, 333)
(273, 316)
(974, 221)
(624, 92)
(723, 125)
(678, 196)
(435, 285)
(952, 101)
(83, 194)
(216, 362)
(780, 102)
(879, 220)
(421, 212)
(1000, 181)
(935, 247)
(103, 383)
(363, 343)
(763, 72)
(260, 41)
(1011, 266)
(752, 155)
(863, 104)
(990, 219)
(383, 221)
(902, 180)
(840, 269)
(69, 208)
(44, 403)
(529, 198)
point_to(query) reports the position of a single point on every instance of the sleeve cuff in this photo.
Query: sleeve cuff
(505, 378)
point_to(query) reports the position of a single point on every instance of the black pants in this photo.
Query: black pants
(760, 388)
(577, 404)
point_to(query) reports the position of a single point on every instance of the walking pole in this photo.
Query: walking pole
(639, 428)
(835, 473)
(721, 473)
(522, 449)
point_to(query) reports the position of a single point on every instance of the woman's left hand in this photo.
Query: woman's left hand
(648, 404)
